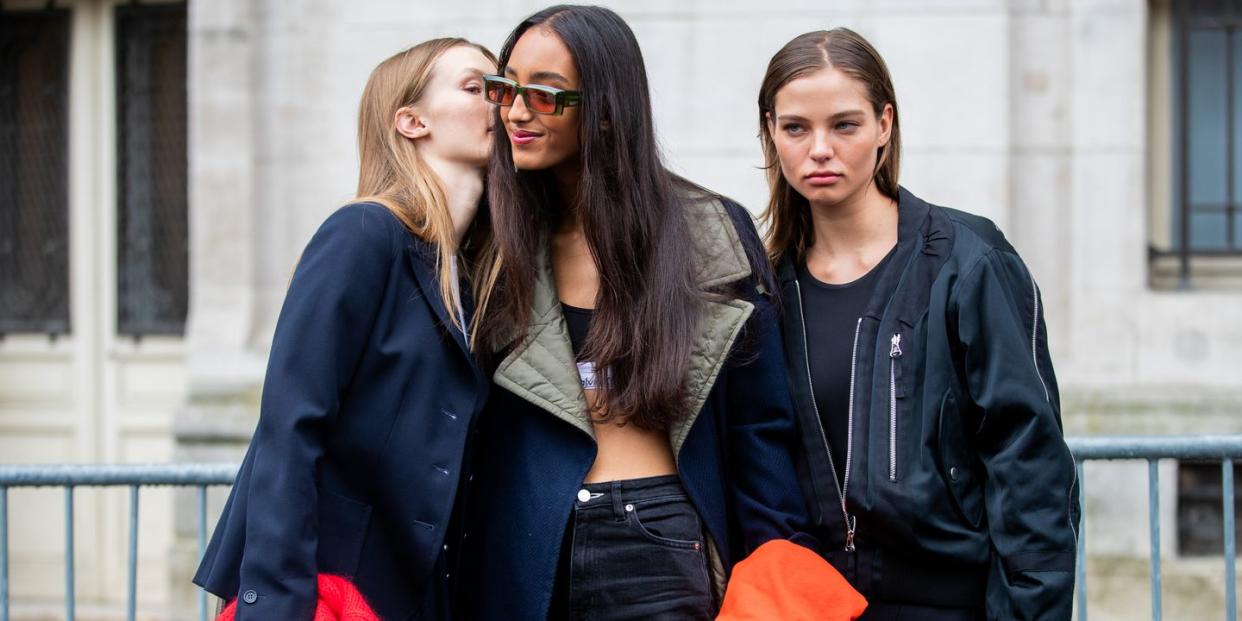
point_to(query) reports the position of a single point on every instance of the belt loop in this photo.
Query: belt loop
(618, 510)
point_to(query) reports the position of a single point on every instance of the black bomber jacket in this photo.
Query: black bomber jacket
(959, 487)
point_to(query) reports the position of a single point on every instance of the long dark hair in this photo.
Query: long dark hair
(633, 218)
(788, 215)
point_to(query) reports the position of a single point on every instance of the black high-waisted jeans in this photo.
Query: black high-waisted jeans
(634, 549)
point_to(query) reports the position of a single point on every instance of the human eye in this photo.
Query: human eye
(793, 129)
(546, 97)
(847, 126)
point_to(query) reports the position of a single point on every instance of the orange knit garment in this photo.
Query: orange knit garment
(783, 580)
(339, 600)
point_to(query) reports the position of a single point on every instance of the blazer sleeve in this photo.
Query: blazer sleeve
(1029, 490)
(324, 326)
(762, 431)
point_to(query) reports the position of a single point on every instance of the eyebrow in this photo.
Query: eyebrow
(549, 75)
(541, 76)
(795, 117)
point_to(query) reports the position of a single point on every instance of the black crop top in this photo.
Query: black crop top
(578, 320)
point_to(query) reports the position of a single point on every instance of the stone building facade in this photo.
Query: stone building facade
(1064, 121)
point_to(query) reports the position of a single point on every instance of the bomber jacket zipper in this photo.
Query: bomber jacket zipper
(894, 352)
(841, 488)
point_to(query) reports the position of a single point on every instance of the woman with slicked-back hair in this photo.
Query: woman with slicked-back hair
(639, 436)
(915, 340)
(350, 481)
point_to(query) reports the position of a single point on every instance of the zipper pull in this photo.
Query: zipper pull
(849, 534)
(895, 350)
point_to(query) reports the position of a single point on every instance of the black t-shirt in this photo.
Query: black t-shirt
(832, 313)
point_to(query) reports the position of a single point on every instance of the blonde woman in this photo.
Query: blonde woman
(372, 385)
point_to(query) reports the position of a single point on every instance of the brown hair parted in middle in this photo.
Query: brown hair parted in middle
(788, 215)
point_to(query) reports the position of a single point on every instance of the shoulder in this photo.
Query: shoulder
(366, 228)
(369, 221)
(359, 241)
(977, 234)
(727, 240)
(984, 256)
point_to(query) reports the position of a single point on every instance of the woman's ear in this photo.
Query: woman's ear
(410, 124)
(886, 124)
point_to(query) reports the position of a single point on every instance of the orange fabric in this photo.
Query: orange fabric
(339, 600)
(783, 580)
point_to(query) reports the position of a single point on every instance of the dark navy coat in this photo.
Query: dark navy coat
(734, 453)
(366, 409)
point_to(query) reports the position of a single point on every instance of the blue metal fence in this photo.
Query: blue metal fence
(69, 477)
(1224, 448)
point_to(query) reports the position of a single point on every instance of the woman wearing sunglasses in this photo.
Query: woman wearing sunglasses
(638, 440)
(371, 385)
(918, 357)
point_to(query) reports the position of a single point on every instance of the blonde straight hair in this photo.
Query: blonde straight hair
(393, 174)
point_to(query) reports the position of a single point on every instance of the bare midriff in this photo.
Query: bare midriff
(627, 452)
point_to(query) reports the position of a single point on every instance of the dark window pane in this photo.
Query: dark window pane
(1211, 76)
(1206, 107)
(1209, 8)
(1208, 230)
(1200, 520)
(152, 229)
(34, 172)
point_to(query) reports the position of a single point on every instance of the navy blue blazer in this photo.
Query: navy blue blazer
(734, 457)
(367, 406)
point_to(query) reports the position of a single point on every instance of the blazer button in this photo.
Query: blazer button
(250, 596)
(953, 472)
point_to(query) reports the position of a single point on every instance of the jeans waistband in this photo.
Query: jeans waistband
(615, 494)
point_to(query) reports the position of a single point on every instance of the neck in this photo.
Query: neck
(862, 222)
(568, 180)
(463, 186)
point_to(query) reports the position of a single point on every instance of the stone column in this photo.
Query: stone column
(224, 371)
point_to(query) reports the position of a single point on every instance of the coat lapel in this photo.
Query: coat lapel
(719, 260)
(542, 370)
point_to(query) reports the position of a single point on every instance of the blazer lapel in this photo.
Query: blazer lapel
(423, 261)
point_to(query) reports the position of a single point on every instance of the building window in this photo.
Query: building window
(1204, 231)
(1200, 520)
(152, 196)
(34, 171)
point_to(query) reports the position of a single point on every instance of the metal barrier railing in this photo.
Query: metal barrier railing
(1224, 448)
(201, 476)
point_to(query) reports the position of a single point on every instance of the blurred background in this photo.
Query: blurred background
(162, 165)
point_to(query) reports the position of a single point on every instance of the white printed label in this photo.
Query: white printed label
(586, 373)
